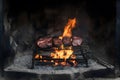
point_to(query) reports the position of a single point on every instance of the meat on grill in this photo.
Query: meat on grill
(44, 42)
(57, 41)
(67, 41)
(47, 42)
(76, 41)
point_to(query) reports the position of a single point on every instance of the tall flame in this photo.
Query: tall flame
(68, 28)
(65, 54)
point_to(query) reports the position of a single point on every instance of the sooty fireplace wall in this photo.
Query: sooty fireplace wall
(26, 21)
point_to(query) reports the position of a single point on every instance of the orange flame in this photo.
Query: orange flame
(37, 56)
(68, 28)
(61, 54)
(64, 53)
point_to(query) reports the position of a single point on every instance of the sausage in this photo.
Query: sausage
(76, 41)
(49, 42)
(57, 41)
(67, 41)
(44, 42)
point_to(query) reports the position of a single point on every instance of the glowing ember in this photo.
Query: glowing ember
(63, 52)
(37, 56)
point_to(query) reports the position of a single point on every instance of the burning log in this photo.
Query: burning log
(52, 61)
(44, 63)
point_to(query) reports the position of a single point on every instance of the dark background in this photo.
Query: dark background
(95, 9)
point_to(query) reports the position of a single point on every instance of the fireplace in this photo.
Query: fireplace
(59, 51)
(63, 40)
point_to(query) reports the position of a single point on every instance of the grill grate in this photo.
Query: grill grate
(81, 58)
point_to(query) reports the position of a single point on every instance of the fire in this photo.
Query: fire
(65, 54)
(37, 56)
(68, 28)
(62, 52)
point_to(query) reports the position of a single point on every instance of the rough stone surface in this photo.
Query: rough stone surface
(49, 73)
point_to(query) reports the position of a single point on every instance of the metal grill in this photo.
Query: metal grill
(81, 58)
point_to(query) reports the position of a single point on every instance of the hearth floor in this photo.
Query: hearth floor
(69, 73)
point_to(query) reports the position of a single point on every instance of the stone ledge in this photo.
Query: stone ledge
(68, 73)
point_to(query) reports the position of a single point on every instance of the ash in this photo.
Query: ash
(91, 63)
(24, 66)
(23, 61)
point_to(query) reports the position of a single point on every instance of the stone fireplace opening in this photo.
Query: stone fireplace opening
(29, 24)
